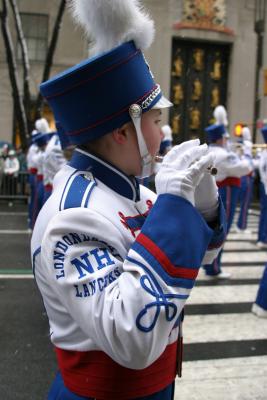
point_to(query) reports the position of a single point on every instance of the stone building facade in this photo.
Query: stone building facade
(204, 54)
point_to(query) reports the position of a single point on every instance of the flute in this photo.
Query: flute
(210, 169)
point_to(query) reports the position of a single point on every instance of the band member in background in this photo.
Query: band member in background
(230, 169)
(262, 231)
(246, 187)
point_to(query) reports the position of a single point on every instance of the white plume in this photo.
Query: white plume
(167, 132)
(246, 133)
(42, 126)
(220, 115)
(113, 22)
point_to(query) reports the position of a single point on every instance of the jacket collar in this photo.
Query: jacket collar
(111, 176)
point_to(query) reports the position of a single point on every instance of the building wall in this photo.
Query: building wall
(241, 78)
(72, 47)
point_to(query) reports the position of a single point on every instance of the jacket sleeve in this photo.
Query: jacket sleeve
(233, 166)
(138, 295)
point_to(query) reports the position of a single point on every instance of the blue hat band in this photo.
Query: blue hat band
(93, 98)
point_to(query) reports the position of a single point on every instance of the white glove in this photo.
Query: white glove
(182, 169)
(206, 197)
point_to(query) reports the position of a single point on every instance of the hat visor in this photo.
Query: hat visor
(163, 103)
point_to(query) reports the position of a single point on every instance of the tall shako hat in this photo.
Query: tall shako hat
(116, 85)
(264, 133)
(215, 132)
(64, 140)
(43, 132)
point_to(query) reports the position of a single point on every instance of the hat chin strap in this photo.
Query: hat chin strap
(147, 160)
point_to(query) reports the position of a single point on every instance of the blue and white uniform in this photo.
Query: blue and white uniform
(230, 169)
(32, 170)
(115, 279)
(246, 187)
(53, 161)
(262, 231)
(260, 306)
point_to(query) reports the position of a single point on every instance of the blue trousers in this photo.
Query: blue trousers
(229, 195)
(245, 196)
(59, 391)
(261, 298)
(262, 231)
(38, 200)
(47, 194)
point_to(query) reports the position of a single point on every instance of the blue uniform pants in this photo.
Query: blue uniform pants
(59, 391)
(262, 232)
(38, 200)
(47, 194)
(229, 195)
(245, 196)
(261, 298)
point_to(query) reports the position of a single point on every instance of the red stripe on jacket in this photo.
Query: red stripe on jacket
(160, 256)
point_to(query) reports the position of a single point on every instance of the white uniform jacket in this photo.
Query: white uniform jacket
(263, 169)
(115, 266)
(53, 159)
(229, 164)
(31, 159)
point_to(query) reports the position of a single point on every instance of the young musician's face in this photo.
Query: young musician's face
(150, 125)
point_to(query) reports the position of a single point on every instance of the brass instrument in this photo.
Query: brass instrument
(254, 145)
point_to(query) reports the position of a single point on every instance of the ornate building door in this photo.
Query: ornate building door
(198, 85)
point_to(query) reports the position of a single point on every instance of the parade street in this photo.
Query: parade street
(225, 344)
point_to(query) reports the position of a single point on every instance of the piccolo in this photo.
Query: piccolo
(210, 169)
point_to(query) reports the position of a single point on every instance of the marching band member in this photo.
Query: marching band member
(230, 169)
(246, 185)
(262, 231)
(110, 258)
(41, 140)
(53, 161)
(32, 171)
(259, 308)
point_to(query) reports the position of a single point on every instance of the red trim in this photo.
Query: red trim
(73, 133)
(48, 187)
(175, 271)
(95, 374)
(39, 178)
(33, 171)
(231, 181)
(95, 76)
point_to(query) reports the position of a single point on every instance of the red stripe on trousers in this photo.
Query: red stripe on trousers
(231, 181)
